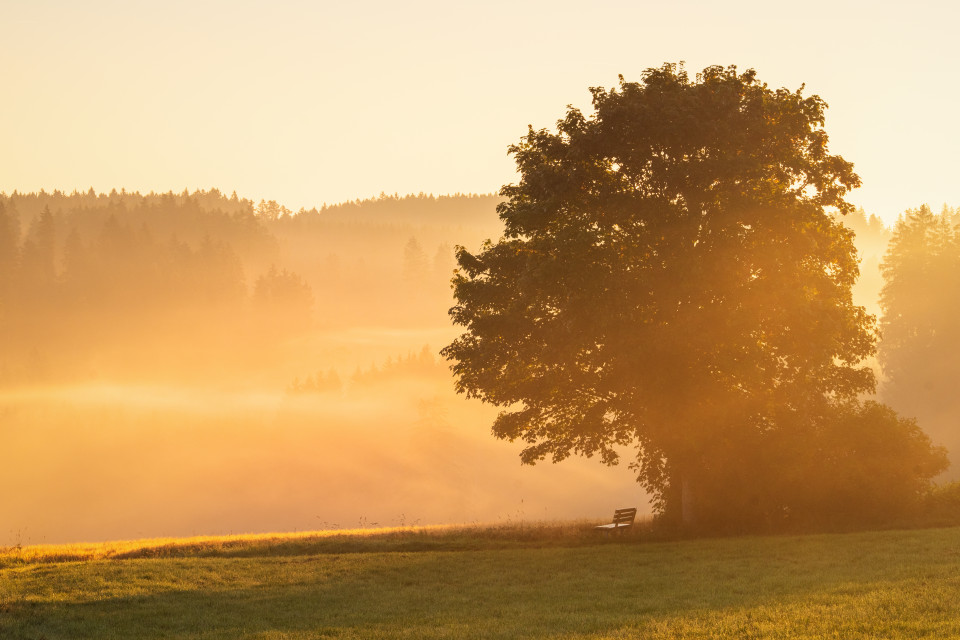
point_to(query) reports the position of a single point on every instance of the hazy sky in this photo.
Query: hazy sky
(314, 102)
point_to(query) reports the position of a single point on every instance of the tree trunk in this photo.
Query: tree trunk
(681, 505)
(688, 504)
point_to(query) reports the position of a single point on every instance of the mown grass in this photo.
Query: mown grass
(416, 538)
(515, 582)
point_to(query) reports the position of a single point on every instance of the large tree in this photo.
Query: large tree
(671, 275)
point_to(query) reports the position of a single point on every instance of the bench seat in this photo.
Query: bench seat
(622, 519)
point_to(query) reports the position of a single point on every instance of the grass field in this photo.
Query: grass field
(557, 581)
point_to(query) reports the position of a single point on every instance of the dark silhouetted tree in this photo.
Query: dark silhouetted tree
(856, 463)
(671, 276)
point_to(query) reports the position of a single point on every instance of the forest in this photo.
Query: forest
(165, 286)
(287, 341)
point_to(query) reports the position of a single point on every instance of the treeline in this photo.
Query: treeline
(111, 286)
(421, 365)
(387, 260)
(910, 278)
(390, 210)
(96, 285)
(920, 348)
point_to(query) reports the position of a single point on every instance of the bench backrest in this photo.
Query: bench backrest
(624, 516)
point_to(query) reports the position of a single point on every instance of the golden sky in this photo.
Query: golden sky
(314, 102)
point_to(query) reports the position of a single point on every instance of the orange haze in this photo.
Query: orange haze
(196, 364)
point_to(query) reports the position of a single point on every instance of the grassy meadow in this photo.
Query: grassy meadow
(516, 581)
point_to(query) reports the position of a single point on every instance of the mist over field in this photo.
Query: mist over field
(194, 364)
(108, 461)
(182, 364)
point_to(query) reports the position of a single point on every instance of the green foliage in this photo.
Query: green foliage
(671, 277)
(942, 504)
(843, 465)
(871, 465)
(875, 585)
(848, 465)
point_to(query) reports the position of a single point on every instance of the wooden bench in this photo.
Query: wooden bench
(622, 519)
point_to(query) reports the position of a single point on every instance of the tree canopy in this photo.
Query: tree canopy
(672, 276)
